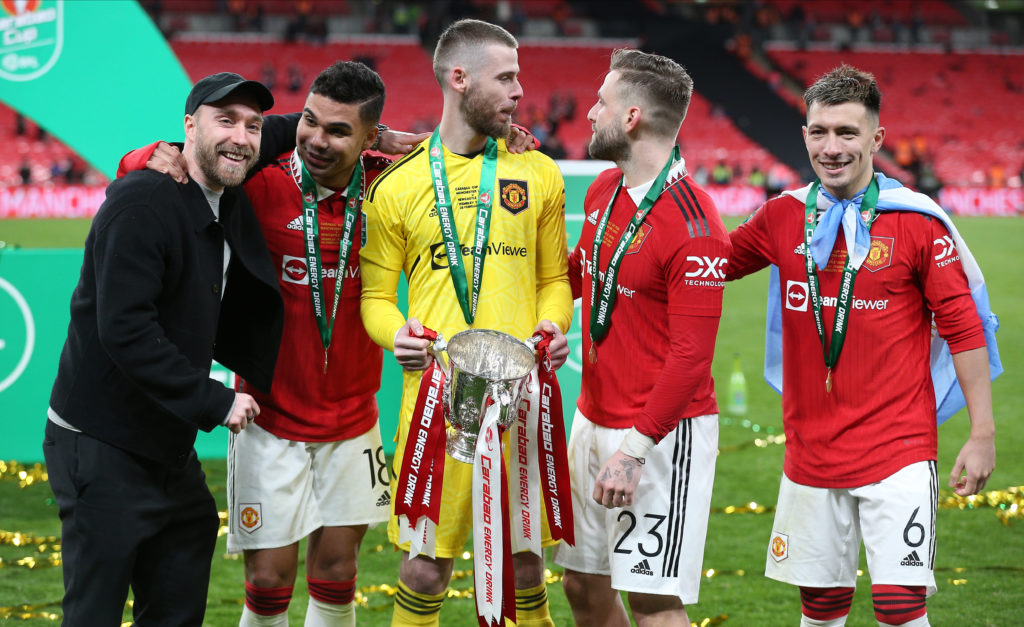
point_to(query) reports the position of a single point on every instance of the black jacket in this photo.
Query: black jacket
(147, 317)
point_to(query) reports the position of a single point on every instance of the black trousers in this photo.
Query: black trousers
(127, 521)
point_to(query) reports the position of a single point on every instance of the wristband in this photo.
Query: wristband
(636, 444)
(380, 131)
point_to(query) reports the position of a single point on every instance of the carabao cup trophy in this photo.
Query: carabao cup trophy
(486, 367)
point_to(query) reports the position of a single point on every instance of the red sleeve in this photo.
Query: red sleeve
(695, 280)
(577, 255)
(947, 292)
(751, 246)
(135, 160)
(687, 367)
(576, 271)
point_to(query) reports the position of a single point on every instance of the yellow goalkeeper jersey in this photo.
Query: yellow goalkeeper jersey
(524, 277)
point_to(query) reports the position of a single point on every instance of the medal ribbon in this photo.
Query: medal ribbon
(601, 309)
(311, 228)
(831, 350)
(449, 230)
(554, 467)
(418, 494)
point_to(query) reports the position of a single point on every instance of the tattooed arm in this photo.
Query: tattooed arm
(617, 480)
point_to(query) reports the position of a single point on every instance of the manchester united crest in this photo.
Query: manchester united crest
(250, 517)
(779, 547)
(638, 241)
(880, 254)
(515, 195)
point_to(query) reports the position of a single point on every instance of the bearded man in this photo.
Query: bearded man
(174, 275)
(518, 283)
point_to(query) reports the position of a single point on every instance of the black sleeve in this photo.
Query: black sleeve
(278, 136)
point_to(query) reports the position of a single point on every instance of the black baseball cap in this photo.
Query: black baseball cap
(217, 86)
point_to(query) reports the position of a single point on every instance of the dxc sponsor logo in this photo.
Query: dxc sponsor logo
(946, 247)
(707, 268)
(947, 253)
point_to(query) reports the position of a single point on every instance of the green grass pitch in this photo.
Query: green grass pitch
(980, 565)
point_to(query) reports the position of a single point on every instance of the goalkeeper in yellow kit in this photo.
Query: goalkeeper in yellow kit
(517, 287)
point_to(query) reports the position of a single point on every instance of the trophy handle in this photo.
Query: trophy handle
(439, 349)
(498, 394)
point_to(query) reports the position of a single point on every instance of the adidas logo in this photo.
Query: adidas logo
(384, 500)
(801, 249)
(912, 560)
(642, 568)
(592, 218)
(296, 224)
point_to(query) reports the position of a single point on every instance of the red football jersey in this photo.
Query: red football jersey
(304, 403)
(654, 364)
(880, 414)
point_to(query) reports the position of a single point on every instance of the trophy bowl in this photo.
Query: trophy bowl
(485, 366)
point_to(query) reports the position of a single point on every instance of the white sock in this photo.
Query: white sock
(319, 614)
(814, 622)
(252, 619)
(920, 621)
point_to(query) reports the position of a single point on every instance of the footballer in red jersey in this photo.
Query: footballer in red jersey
(650, 268)
(858, 406)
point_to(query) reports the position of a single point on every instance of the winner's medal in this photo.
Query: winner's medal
(593, 352)
(831, 349)
(311, 230)
(450, 234)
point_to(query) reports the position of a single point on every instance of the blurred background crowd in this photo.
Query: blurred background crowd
(952, 75)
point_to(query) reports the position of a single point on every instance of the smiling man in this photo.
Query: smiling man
(174, 275)
(312, 466)
(857, 395)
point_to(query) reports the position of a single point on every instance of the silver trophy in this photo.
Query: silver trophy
(483, 364)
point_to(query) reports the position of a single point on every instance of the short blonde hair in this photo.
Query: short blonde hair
(461, 40)
(662, 83)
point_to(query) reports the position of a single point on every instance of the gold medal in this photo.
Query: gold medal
(828, 382)
(325, 362)
(593, 353)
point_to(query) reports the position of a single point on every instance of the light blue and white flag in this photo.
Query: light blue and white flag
(893, 196)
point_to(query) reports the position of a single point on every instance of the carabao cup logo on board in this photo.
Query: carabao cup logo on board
(31, 37)
(17, 334)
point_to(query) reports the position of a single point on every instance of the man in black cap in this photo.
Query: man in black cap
(174, 275)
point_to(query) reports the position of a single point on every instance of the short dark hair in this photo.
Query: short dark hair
(662, 83)
(845, 84)
(352, 82)
(466, 36)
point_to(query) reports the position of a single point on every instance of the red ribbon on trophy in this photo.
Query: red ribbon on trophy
(418, 495)
(554, 460)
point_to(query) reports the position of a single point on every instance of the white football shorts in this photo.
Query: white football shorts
(656, 545)
(280, 491)
(817, 532)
